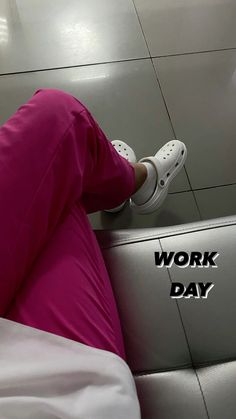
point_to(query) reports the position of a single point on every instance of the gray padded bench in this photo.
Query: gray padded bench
(181, 351)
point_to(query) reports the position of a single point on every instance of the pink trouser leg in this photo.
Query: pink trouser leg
(56, 165)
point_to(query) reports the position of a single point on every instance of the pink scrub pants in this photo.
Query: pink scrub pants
(56, 166)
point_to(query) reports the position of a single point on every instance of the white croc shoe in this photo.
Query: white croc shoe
(168, 162)
(128, 153)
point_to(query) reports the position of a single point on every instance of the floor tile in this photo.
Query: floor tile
(178, 208)
(44, 34)
(217, 202)
(200, 92)
(124, 98)
(180, 26)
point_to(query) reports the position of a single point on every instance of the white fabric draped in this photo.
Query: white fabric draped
(44, 376)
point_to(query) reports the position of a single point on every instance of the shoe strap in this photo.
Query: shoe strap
(160, 170)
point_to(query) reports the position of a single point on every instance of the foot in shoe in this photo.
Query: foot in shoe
(148, 187)
(162, 169)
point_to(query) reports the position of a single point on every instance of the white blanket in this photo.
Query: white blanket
(44, 376)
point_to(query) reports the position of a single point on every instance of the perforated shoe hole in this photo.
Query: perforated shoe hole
(182, 152)
(176, 164)
(168, 174)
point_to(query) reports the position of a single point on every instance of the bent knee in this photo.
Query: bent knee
(54, 95)
(56, 100)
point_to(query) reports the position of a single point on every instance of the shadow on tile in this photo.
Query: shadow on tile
(178, 209)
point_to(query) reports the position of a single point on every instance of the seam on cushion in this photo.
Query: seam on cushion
(188, 344)
(184, 367)
(144, 374)
(157, 236)
(161, 370)
(215, 362)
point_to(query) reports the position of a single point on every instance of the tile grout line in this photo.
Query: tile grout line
(215, 186)
(140, 24)
(205, 188)
(74, 66)
(194, 52)
(194, 196)
(166, 107)
(150, 57)
(198, 208)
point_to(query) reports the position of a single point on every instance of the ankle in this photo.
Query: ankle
(140, 174)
